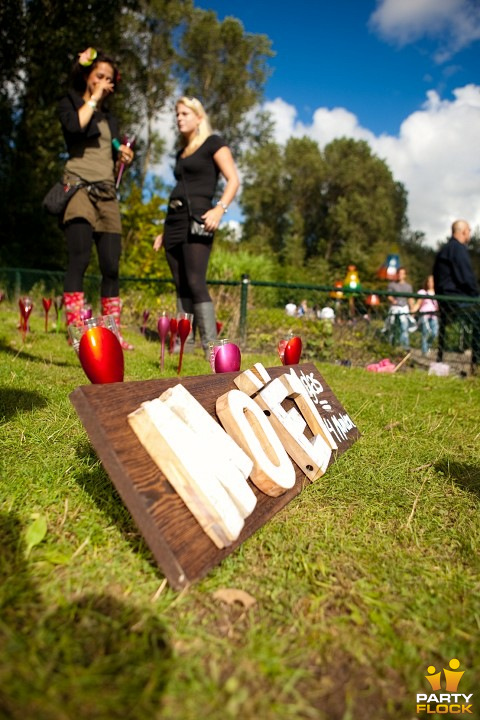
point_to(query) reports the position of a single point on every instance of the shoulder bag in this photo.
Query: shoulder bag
(58, 197)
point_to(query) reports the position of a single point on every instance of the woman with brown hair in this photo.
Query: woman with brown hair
(92, 214)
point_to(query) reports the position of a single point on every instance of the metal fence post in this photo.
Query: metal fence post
(243, 307)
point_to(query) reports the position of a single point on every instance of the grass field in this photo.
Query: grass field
(360, 584)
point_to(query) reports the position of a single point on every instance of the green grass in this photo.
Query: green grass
(362, 582)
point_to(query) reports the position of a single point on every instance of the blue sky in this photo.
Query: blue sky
(334, 54)
(401, 74)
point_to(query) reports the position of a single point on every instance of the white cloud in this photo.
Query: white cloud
(327, 124)
(434, 155)
(283, 115)
(455, 23)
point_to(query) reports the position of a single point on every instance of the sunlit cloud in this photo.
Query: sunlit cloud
(165, 127)
(454, 24)
(327, 124)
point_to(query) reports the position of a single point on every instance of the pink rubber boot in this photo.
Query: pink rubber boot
(73, 302)
(113, 306)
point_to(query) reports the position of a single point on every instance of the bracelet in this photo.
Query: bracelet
(92, 102)
(116, 144)
(225, 207)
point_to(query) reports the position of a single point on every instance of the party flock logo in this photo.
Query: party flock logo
(451, 701)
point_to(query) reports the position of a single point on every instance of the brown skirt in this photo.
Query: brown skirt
(103, 215)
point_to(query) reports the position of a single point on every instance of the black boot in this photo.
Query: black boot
(204, 314)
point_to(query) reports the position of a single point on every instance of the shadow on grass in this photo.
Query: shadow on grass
(13, 400)
(4, 348)
(465, 475)
(105, 496)
(151, 335)
(95, 657)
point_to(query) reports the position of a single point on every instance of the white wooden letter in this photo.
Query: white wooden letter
(273, 472)
(311, 455)
(226, 459)
(179, 453)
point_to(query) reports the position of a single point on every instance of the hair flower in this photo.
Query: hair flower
(87, 57)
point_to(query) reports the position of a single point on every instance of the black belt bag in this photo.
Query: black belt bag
(58, 197)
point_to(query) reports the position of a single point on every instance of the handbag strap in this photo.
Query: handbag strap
(185, 189)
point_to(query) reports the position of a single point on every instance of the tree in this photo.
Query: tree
(363, 205)
(264, 199)
(150, 32)
(225, 67)
(12, 41)
(140, 221)
(304, 188)
(317, 209)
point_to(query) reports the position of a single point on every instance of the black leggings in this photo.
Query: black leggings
(80, 238)
(188, 264)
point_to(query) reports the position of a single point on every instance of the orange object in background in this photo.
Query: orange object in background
(372, 300)
(337, 294)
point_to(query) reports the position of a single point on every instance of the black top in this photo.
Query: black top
(200, 172)
(74, 135)
(453, 271)
(200, 175)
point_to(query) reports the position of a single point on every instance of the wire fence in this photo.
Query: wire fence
(448, 331)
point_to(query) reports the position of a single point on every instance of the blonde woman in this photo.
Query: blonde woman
(201, 158)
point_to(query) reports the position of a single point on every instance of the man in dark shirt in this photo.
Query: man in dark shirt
(453, 275)
(453, 271)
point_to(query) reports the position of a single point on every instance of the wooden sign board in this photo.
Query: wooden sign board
(180, 546)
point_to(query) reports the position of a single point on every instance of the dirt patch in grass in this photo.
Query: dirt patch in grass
(342, 687)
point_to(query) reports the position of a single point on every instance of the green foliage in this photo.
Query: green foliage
(226, 68)
(267, 326)
(35, 533)
(357, 344)
(150, 58)
(142, 221)
(263, 200)
(364, 206)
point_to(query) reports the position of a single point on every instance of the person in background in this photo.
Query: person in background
(201, 158)
(427, 309)
(291, 309)
(303, 310)
(453, 275)
(401, 307)
(92, 214)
